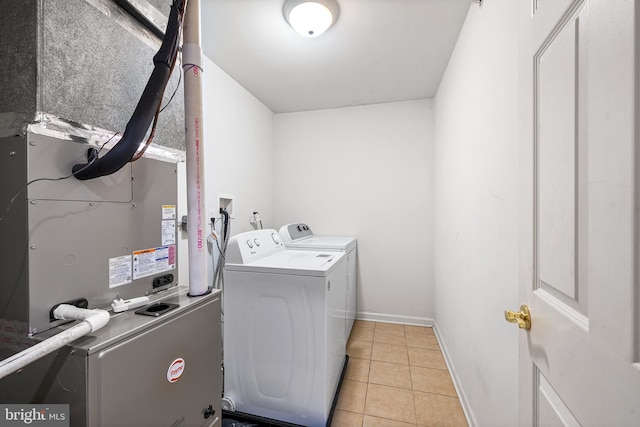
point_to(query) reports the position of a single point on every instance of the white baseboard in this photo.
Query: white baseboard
(468, 412)
(393, 318)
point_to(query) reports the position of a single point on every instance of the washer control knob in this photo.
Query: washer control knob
(299, 228)
(257, 242)
(276, 238)
(249, 243)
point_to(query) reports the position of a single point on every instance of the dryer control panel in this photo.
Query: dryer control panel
(245, 248)
(295, 232)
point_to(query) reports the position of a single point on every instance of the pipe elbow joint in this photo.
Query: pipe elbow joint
(94, 318)
(98, 320)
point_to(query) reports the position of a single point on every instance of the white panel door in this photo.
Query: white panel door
(580, 182)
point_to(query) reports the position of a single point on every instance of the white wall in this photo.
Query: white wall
(239, 156)
(366, 172)
(476, 238)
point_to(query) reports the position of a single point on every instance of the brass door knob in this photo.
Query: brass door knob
(522, 317)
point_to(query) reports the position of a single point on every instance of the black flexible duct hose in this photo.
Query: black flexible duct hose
(147, 106)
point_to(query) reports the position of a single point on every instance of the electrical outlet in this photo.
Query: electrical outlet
(212, 214)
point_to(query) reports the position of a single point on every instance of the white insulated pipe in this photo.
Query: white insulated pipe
(194, 128)
(92, 320)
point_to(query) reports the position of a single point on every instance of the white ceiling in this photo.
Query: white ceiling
(378, 51)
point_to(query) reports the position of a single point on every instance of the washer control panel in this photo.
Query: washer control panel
(248, 247)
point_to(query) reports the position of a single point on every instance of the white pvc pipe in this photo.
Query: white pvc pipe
(92, 320)
(194, 127)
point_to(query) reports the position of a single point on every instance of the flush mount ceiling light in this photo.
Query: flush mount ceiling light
(311, 18)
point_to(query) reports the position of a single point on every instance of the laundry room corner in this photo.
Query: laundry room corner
(366, 172)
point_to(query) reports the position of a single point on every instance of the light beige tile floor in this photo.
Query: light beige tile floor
(396, 377)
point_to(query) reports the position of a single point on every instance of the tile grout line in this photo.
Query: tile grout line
(410, 377)
(437, 394)
(366, 391)
(413, 399)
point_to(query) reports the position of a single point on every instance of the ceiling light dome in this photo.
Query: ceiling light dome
(311, 18)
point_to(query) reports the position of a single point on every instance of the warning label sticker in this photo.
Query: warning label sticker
(168, 232)
(119, 271)
(168, 211)
(148, 262)
(144, 263)
(165, 258)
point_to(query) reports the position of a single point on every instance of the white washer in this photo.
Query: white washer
(284, 339)
(300, 236)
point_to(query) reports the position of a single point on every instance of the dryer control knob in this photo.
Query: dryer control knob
(276, 238)
(249, 243)
(257, 242)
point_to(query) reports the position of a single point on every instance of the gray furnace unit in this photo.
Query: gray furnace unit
(86, 243)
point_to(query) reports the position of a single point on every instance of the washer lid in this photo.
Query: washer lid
(324, 243)
(294, 262)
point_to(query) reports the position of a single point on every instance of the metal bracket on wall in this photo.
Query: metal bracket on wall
(183, 223)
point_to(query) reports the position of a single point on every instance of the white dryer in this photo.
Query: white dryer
(300, 236)
(284, 339)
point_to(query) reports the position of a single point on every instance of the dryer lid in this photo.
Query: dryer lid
(333, 243)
